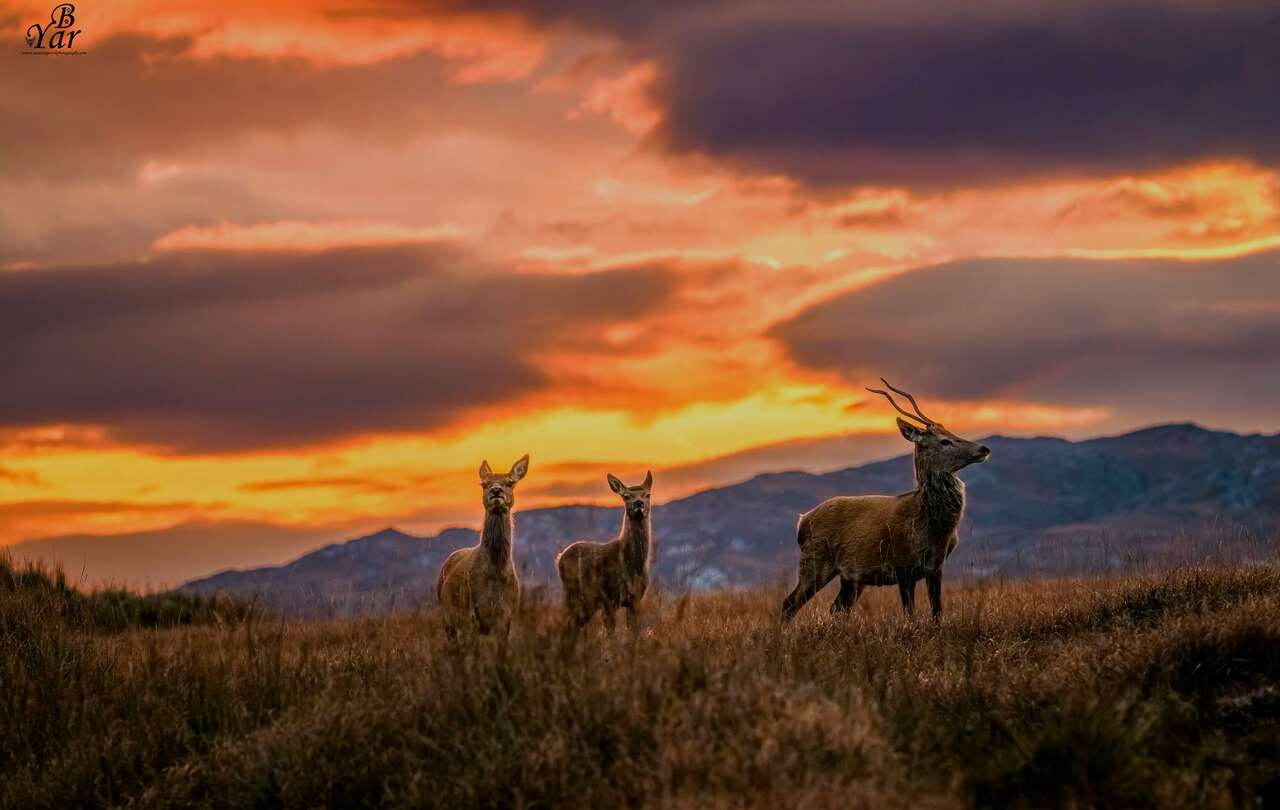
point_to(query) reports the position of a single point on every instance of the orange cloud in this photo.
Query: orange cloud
(301, 236)
(625, 98)
(484, 46)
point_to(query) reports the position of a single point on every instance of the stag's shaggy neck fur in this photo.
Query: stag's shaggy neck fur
(940, 495)
(495, 537)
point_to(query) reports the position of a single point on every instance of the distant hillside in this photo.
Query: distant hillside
(169, 556)
(1039, 505)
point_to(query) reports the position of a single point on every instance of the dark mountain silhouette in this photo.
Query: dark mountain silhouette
(1041, 505)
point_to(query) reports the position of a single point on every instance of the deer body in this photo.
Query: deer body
(478, 586)
(889, 540)
(607, 576)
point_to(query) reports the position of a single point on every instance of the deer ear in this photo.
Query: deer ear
(485, 469)
(648, 479)
(519, 469)
(614, 483)
(909, 431)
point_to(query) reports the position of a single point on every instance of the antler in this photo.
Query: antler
(918, 415)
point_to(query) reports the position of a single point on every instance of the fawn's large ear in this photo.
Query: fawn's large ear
(519, 469)
(648, 480)
(614, 483)
(485, 469)
(909, 431)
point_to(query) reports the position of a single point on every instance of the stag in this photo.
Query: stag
(889, 539)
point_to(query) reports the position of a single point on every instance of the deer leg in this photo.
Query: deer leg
(608, 621)
(934, 583)
(848, 596)
(633, 619)
(907, 590)
(813, 575)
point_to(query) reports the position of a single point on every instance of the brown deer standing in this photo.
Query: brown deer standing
(607, 576)
(478, 586)
(886, 539)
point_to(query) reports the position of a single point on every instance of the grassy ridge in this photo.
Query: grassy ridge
(46, 594)
(1152, 691)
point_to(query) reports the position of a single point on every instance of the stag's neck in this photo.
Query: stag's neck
(495, 537)
(941, 499)
(635, 539)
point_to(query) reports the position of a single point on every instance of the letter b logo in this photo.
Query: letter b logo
(63, 16)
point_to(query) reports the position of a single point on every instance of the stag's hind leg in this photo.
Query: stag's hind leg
(812, 576)
(848, 596)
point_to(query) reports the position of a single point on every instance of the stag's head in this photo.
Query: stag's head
(499, 489)
(937, 449)
(634, 499)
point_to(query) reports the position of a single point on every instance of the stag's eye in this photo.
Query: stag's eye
(946, 442)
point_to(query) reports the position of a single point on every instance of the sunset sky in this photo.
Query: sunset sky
(300, 266)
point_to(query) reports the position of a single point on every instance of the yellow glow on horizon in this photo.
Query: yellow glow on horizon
(392, 477)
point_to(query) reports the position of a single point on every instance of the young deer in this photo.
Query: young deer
(607, 576)
(478, 586)
(884, 539)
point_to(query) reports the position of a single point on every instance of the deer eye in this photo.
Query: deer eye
(946, 442)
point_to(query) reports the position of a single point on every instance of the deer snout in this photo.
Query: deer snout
(984, 452)
(495, 493)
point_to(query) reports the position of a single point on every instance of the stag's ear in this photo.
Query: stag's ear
(519, 469)
(485, 470)
(648, 480)
(614, 483)
(909, 431)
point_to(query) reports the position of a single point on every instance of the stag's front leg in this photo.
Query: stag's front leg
(609, 619)
(633, 619)
(934, 583)
(907, 590)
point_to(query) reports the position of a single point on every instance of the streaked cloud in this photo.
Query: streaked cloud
(150, 101)
(235, 350)
(930, 96)
(1159, 339)
(301, 236)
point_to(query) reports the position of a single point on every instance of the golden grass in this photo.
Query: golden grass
(1153, 690)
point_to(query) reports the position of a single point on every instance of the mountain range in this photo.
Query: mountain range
(1161, 495)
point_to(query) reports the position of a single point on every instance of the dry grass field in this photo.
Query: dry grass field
(1158, 690)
